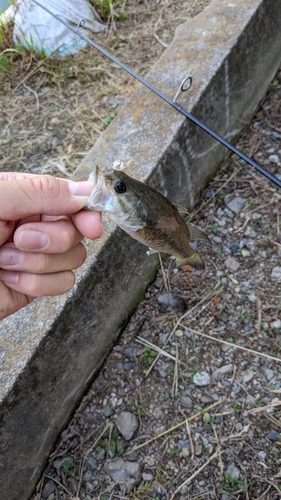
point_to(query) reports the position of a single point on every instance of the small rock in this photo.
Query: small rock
(186, 401)
(48, 489)
(234, 247)
(130, 352)
(272, 435)
(274, 159)
(127, 366)
(252, 297)
(269, 373)
(233, 471)
(276, 273)
(127, 474)
(245, 253)
(185, 453)
(183, 443)
(276, 324)
(158, 413)
(198, 450)
(127, 424)
(107, 411)
(201, 379)
(158, 282)
(247, 376)
(262, 455)
(91, 462)
(147, 477)
(223, 370)
(168, 300)
(250, 233)
(231, 264)
(236, 204)
(90, 486)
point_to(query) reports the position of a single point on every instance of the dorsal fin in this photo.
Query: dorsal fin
(181, 209)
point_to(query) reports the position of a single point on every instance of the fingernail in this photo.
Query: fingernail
(10, 257)
(33, 240)
(83, 188)
(9, 276)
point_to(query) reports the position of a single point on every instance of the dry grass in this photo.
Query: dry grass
(54, 109)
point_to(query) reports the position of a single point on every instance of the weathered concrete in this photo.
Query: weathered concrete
(50, 351)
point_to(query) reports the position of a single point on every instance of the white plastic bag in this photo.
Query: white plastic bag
(35, 29)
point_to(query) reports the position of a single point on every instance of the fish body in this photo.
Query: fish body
(146, 215)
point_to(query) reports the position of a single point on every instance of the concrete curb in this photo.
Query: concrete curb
(50, 351)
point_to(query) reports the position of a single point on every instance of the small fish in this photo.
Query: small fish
(146, 215)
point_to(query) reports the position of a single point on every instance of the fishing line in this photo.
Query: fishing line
(185, 85)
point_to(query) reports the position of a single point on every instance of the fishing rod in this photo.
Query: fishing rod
(185, 85)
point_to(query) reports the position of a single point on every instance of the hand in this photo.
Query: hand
(41, 227)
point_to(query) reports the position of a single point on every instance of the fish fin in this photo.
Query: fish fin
(150, 251)
(181, 209)
(196, 234)
(195, 261)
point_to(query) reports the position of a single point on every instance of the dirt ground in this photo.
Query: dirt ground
(197, 371)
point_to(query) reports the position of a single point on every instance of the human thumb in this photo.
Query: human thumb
(41, 194)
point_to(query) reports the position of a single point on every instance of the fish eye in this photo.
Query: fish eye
(120, 187)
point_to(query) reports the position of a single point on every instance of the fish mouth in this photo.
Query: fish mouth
(100, 195)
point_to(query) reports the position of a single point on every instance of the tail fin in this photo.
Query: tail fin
(195, 261)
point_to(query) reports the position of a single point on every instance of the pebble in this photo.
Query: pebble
(91, 462)
(272, 435)
(107, 411)
(236, 204)
(262, 455)
(252, 297)
(269, 373)
(158, 413)
(127, 474)
(201, 379)
(147, 477)
(274, 159)
(250, 233)
(127, 366)
(276, 273)
(276, 324)
(48, 489)
(234, 247)
(247, 376)
(233, 471)
(186, 401)
(198, 450)
(127, 424)
(223, 370)
(245, 253)
(130, 352)
(232, 264)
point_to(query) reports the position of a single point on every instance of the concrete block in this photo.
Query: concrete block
(50, 351)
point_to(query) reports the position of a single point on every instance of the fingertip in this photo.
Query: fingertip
(88, 223)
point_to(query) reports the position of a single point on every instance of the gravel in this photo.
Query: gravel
(236, 304)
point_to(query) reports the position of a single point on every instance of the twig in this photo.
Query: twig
(185, 483)
(193, 417)
(209, 294)
(158, 349)
(235, 345)
(56, 481)
(87, 453)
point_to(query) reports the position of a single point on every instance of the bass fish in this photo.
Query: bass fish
(146, 215)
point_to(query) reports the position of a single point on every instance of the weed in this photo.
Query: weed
(236, 406)
(67, 466)
(148, 355)
(173, 452)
